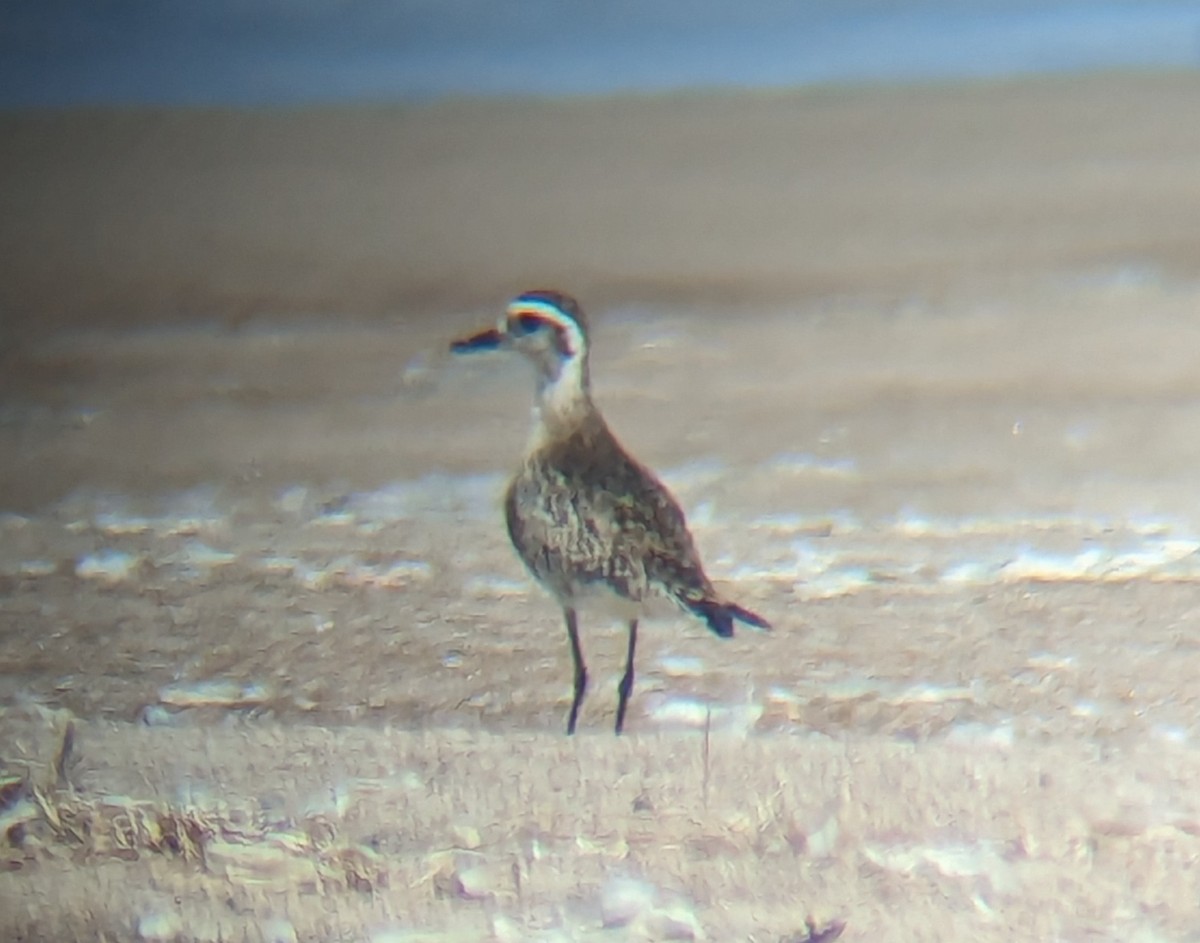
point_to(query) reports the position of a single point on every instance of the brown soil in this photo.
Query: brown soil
(919, 364)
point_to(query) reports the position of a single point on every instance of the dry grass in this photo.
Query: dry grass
(358, 834)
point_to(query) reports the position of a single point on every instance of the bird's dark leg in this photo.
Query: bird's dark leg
(580, 668)
(626, 685)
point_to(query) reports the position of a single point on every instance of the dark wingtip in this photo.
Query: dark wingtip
(719, 619)
(750, 618)
(720, 616)
(484, 340)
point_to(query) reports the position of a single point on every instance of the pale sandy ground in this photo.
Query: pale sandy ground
(921, 364)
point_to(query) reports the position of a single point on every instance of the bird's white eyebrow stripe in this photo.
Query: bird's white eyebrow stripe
(553, 314)
(542, 309)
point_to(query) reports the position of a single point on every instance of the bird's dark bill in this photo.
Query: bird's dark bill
(484, 340)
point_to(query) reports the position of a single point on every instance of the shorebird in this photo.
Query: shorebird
(586, 518)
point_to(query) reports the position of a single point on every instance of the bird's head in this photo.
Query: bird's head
(549, 328)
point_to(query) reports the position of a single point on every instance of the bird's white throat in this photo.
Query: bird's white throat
(562, 401)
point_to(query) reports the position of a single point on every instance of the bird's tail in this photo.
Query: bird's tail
(720, 616)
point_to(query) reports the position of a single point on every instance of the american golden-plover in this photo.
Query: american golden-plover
(587, 519)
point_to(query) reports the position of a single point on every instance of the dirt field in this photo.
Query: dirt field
(921, 366)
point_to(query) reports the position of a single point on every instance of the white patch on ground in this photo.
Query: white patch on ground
(804, 463)
(473, 496)
(107, 566)
(182, 513)
(699, 714)
(213, 694)
(490, 586)
(961, 860)
(681, 666)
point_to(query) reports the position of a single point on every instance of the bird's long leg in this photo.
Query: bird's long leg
(580, 668)
(626, 685)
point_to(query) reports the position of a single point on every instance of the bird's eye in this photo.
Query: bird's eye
(525, 324)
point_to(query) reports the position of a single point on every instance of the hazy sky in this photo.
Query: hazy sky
(255, 51)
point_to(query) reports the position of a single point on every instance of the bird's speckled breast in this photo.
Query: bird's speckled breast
(583, 516)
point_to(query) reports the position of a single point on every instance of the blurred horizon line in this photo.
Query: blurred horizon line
(262, 52)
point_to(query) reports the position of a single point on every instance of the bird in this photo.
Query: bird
(586, 518)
